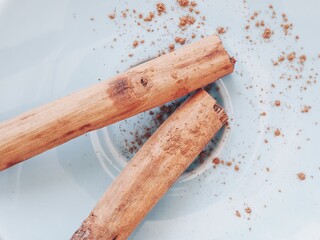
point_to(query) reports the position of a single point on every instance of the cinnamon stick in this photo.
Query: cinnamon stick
(141, 88)
(153, 170)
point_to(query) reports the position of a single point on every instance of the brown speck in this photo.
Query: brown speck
(291, 56)
(267, 33)
(277, 103)
(221, 30)
(180, 40)
(302, 58)
(149, 17)
(301, 176)
(161, 8)
(183, 3)
(112, 16)
(277, 133)
(135, 44)
(263, 114)
(171, 47)
(228, 164)
(216, 161)
(238, 214)
(305, 109)
(186, 20)
(124, 14)
(193, 35)
(248, 210)
(130, 54)
(236, 168)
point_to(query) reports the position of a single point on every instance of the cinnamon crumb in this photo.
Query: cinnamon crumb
(277, 132)
(124, 14)
(291, 56)
(238, 214)
(142, 41)
(149, 17)
(193, 35)
(263, 114)
(248, 210)
(306, 109)
(130, 54)
(228, 164)
(140, 16)
(112, 16)
(267, 33)
(193, 4)
(183, 3)
(281, 58)
(186, 20)
(180, 40)
(247, 27)
(221, 30)
(302, 58)
(216, 161)
(236, 168)
(266, 141)
(135, 44)
(277, 103)
(301, 176)
(171, 47)
(161, 8)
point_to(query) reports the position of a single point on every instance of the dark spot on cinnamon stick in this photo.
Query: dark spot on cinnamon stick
(144, 82)
(119, 86)
(115, 238)
(27, 116)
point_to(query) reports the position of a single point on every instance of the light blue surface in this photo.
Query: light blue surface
(49, 49)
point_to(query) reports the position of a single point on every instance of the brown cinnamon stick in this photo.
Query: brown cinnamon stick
(141, 88)
(152, 171)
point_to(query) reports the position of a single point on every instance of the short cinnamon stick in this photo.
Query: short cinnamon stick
(141, 88)
(152, 171)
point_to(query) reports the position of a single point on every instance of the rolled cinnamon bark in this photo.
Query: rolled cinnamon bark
(141, 88)
(153, 170)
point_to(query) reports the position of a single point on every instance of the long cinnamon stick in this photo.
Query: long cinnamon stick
(152, 171)
(141, 88)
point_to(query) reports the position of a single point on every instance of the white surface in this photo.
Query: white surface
(51, 48)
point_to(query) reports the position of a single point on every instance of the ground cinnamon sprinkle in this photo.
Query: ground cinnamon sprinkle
(149, 17)
(277, 103)
(186, 20)
(281, 58)
(291, 56)
(161, 8)
(236, 167)
(112, 15)
(180, 40)
(171, 47)
(277, 132)
(135, 44)
(193, 4)
(183, 3)
(301, 176)
(238, 214)
(221, 30)
(267, 33)
(216, 161)
(248, 210)
(306, 109)
(302, 58)
(228, 164)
